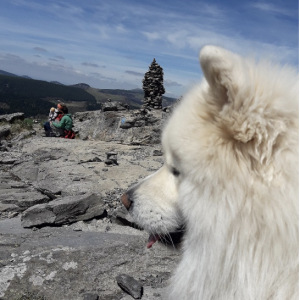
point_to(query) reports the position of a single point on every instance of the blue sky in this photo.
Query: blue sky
(110, 44)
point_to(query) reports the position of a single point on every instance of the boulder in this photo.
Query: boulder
(130, 285)
(10, 118)
(64, 211)
(114, 106)
(82, 116)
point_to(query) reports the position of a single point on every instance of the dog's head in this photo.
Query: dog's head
(222, 138)
(153, 204)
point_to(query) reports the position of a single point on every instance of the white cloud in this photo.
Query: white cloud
(152, 35)
(272, 8)
(178, 38)
(120, 28)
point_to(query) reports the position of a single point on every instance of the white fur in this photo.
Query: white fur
(234, 140)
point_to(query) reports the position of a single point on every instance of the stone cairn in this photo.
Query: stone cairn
(153, 86)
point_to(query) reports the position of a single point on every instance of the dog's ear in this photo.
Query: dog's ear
(245, 114)
(219, 67)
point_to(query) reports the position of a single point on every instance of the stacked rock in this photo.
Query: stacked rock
(153, 86)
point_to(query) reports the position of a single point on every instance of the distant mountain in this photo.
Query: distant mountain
(81, 86)
(13, 75)
(7, 73)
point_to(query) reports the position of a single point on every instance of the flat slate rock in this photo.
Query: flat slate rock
(23, 199)
(64, 211)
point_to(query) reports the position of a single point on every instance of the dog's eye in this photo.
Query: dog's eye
(175, 172)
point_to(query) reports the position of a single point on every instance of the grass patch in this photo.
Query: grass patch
(19, 126)
(28, 122)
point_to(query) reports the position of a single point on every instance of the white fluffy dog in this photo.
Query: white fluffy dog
(231, 177)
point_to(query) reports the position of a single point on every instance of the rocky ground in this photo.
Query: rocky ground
(63, 233)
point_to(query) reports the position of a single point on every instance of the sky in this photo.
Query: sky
(111, 44)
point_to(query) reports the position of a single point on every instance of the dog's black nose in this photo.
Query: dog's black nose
(126, 201)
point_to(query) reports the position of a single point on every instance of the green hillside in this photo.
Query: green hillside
(34, 97)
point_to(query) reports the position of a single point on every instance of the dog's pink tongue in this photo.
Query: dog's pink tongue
(152, 239)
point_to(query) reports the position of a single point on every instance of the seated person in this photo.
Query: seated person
(66, 123)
